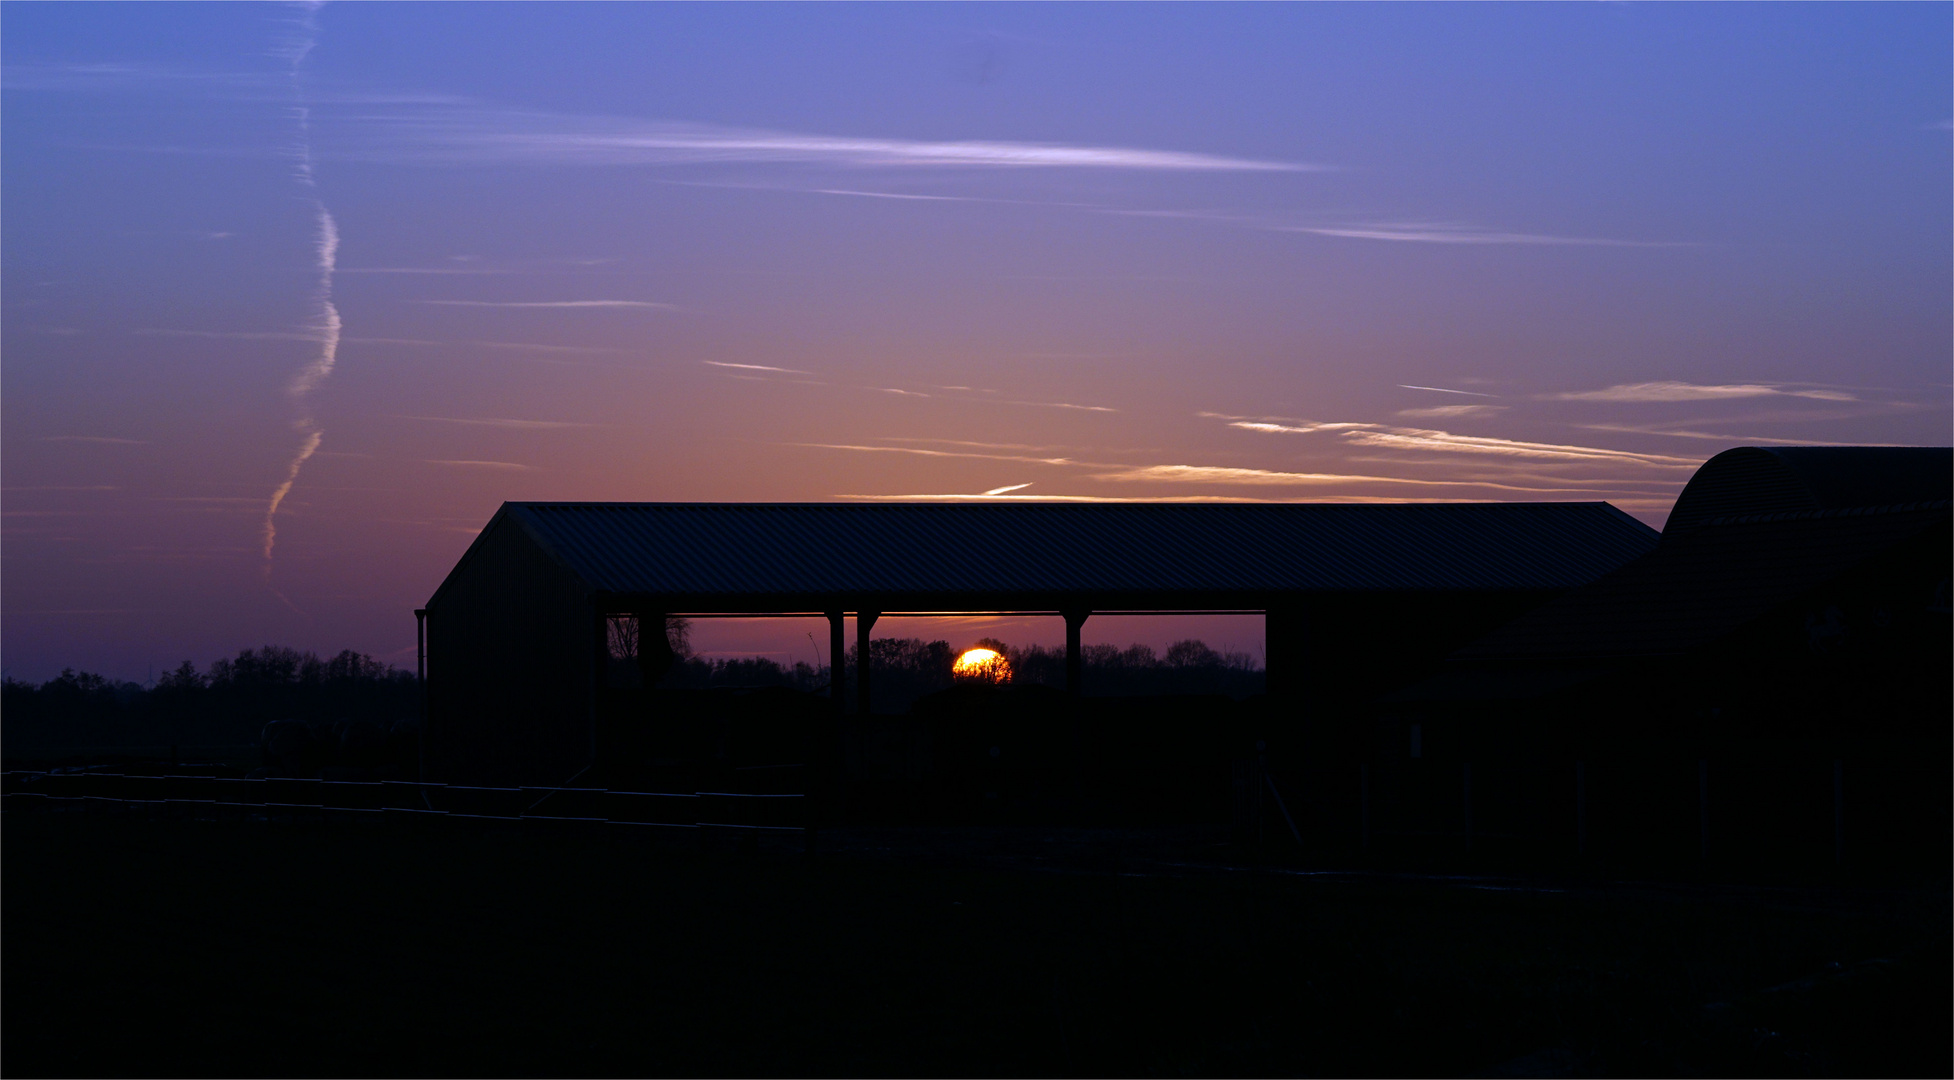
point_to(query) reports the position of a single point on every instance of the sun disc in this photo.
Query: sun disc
(982, 665)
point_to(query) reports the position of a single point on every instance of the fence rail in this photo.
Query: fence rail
(388, 800)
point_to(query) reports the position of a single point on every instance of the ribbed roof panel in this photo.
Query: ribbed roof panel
(757, 549)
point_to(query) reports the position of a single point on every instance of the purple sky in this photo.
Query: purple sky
(295, 298)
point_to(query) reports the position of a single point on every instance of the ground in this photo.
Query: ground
(136, 947)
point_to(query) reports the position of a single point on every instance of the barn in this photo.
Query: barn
(1356, 598)
(1796, 591)
(1769, 686)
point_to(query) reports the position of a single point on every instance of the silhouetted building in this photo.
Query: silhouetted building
(1357, 597)
(1798, 592)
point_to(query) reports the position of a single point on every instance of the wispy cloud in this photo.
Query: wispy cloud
(1417, 439)
(1734, 440)
(1402, 438)
(920, 452)
(1215, 474)
(1007, 489)
(482, 133)
(326, 324)
(549, 303)
(895, 195)
(1440, 412)
(468, 270)
(497, 422)
(530, 346)
(239, 335)
(1061, 405)
(1667, 391)
(961, 497)
(969, 442)
(1299, 427)
(760, 367)
(308, 445)
(1444, 390)
(510, 465)
(1437, 233)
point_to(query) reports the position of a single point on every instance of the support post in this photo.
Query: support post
(1285, 658)
(824, 756)
(838, 663)
(864, 622)
(1075, 677)
(1075, 664)
(420, 686)
(655, 655)
(600, 666)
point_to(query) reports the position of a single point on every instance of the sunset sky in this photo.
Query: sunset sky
(295, 298)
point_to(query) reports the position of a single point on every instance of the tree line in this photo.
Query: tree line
(227, 704)
(230, 702)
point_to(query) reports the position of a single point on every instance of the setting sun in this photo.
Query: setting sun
(983, 665)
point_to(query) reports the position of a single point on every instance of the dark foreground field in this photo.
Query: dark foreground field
(203, 948)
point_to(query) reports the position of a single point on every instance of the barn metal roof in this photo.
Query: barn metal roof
(1752, 480)
(911, 552)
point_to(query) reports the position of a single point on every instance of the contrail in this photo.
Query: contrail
(325, 327)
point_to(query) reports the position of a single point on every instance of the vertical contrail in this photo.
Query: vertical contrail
(326, 321)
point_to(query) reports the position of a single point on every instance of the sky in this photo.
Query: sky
(294, 297)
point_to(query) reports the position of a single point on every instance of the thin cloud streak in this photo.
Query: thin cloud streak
(498, 422)
(1061, 498)
(480, 464)
(1415, 439)
(327, 323)
(486, 134)
(308, 445)
(238, 335)
(1439, 412)
(760, 367)
(1138, 499)
(1369, 434)
(1415, 233)
(919, 452)
(1213, 474)
(1007, 489)
(94, 439)
(1735, 440)
(1667, 391)
(468, 270)
(549, 303)
(1444, 390)
(1059, 405)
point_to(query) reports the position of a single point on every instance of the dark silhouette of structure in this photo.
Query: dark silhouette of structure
(1356, 597)
(1796, 591)
(1774, 675)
